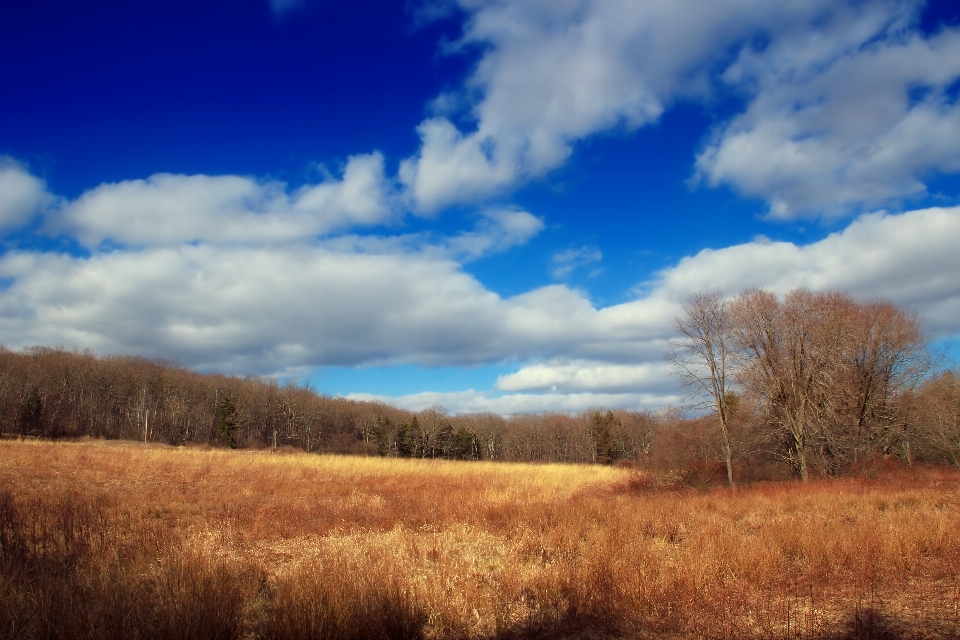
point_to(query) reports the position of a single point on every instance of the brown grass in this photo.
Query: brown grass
(126, 541)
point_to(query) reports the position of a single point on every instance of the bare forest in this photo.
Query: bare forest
(56, 394)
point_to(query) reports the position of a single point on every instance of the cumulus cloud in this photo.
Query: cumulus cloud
(166, 209)
(227, 273)
(575, 376)
(270, 309)
(254, 304)
(551, 74)
(267, 309)
(837, 124)
(495, 231)
(848, 106)
(22, 195)
(910, 258)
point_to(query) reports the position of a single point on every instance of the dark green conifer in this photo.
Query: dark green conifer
(227, 420)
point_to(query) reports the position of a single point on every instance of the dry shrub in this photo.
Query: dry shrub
(315, 602)
(72, 569)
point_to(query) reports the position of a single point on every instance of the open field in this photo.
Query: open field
(110, 540)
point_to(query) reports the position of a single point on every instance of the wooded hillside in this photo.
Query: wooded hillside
(53, 393)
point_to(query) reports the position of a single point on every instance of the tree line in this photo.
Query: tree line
(55, 393)
(807, 384)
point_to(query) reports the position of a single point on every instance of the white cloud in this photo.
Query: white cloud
(834, 128)
(461, 402)
(269, 308)
(495, 231)
(830, 126)
(565, 262)
(498, 229)
(361, 198)
(258, 309)
(910, 258)
(166, 209)
(575, 376)
(22, 195)
(613, 356)
(552, 74)
(453, 168)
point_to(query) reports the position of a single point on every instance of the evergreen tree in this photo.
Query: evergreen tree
(227, 420)
(600, 430)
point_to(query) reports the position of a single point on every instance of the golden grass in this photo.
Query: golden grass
(120, 540)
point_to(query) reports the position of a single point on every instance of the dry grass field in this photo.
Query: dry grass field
(110, 540)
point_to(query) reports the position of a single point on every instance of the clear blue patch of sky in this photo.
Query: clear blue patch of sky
(950, 348)
(937, 14)
(943, 190)
(406, 379)
(118, 90)
(32, 238)
(394, 381)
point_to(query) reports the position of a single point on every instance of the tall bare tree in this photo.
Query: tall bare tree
(884, 357)
(704, 360)
(937, 408)
(826, 369)
(789, 349)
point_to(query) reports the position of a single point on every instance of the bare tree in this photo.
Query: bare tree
(789, 349)
(885, 356)
(936, 414)
(704, 359)
(826, 370)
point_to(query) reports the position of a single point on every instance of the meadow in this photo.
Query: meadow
(122, 540)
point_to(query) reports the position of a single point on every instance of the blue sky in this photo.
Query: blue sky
(493, 206)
